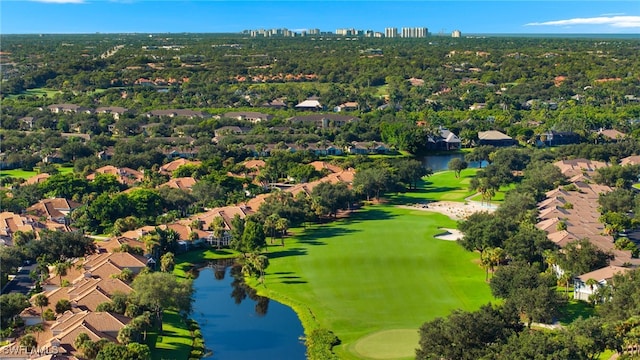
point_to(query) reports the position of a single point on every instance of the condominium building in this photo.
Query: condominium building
(391, 32)
(456, 33)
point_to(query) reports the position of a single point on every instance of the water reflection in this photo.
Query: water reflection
(238, 323)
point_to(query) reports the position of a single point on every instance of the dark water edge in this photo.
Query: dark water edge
(236, 323)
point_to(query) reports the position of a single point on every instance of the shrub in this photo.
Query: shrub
(320, 343)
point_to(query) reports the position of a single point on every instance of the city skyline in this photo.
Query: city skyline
(440, 17)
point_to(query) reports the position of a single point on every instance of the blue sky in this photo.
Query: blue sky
(471, 17)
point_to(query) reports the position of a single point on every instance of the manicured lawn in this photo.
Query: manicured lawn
(380, 269)
(441, 186)
(38, 92)
(19, 173)
(175, 341)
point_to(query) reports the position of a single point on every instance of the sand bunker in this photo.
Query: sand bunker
(452, 209)
(450, 235)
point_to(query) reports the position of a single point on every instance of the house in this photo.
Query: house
(191, 114)
(106, 154)
(554, 138)
(97, 325)
(56, 209)
(311, 104)
(324, 120)
(170, 167)
(68, 108)
(124, 175)
(477, 106)
(446, 141)
(230, 130)
(275, 104)
(611, 134)
(582, 290)
(27, 122)
(371, 147)
(114, 111)
(183, 183)
(10, 223)
(630, 160)
(38, 179)
(495, 138)
(348, 106)
(575, 167)
(254, 117)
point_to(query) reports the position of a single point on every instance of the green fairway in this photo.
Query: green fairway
(39, 92)
(379, 269)
(24, 174)
(441, 186)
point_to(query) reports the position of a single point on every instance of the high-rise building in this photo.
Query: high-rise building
(391, 32)
(414, 32)
(456, 33)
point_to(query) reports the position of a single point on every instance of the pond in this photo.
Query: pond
(236, 323)
(441, 162)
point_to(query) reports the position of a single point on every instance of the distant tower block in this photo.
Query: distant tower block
(456, 33)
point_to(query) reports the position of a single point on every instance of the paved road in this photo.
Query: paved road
(21, 283)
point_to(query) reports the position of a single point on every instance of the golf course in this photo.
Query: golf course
(375, 276)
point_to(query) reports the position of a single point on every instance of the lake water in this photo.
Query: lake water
(238, 324)
(441, 162)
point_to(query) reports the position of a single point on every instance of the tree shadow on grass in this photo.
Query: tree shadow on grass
(315, 235)
(368, 214)
(288, 252)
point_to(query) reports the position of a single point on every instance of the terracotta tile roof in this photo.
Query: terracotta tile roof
(170, 167)
(124, 175)
(254, 164)
(53, 208)
(630, 160)
(114, 244)
(321, 165)
(40, 178)
(612, 134)
(574, 167)
(91, 299)
(183, 183)
(10, 223)
(184, 231)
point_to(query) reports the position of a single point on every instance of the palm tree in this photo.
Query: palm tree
(218, 227)
(551, 258)
(60, 269)
(270, 225)
(282, 225)
(565, 278)
(28, 341)
(167, 262)
(41, 301)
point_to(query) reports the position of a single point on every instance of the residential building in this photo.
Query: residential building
(182, 183)
(169, 168)
(602, 277)
(391, 32)
(254, 117)
(124, 175)
(456, 34)
(495, 138)
(114, 111)
(348, 106)
(191, 114)
(324, 120)
(554, 138)
(55, 209)
(310, 104)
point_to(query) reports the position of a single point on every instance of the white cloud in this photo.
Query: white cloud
(60, 1)
(613, 21)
